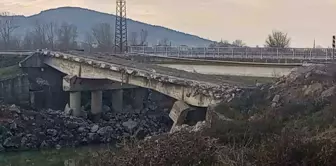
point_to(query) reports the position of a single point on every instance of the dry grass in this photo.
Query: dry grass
(293, 135)
(174, 149)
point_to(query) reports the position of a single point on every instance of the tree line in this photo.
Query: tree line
(61, 36)
(43, 35)
(64, 36)
(276, 39)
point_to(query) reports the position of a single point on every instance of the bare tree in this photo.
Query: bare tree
(103, 34)
(278, 39)
(40, 38)
(222, 43)
(89, 43)
(143, 37)
(238, 43)
(28, 41)
(133, 39)
(16, 43)
(7, 27)
(66, 36)
(50, 34)
(164, 42)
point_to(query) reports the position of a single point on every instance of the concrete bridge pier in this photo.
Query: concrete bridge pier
(139, 96)
(96, 104)
(117, 100)
(75, 103)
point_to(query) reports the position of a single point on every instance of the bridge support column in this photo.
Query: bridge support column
(96, 104)
(75, 103)
(179, 113)
(117, 100)
(139, 95)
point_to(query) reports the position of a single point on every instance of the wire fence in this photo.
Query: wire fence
(237, 52)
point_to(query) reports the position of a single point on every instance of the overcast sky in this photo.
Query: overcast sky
(249, 20)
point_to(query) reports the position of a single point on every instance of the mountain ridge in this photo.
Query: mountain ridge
(85, 19)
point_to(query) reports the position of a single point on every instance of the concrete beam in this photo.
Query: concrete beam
(33, 60)
(179, 113)
(188, 94)
(74, 83)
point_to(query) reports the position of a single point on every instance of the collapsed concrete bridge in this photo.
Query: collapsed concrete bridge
(95, 73)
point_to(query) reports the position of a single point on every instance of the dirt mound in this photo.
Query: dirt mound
(315, 82)
(304, 89)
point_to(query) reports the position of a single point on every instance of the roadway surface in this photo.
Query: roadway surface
(150, 69)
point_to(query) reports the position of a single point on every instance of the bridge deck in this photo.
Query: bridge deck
(150, 68)
(193, 88)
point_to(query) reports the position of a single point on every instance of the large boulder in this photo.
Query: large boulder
(130, 124)
(94, 128)
(313, 89)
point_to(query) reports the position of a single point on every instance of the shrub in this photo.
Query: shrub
(181, 148)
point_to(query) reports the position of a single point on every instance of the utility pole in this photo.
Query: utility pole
(333, 47)
(314, 44)
(120, 27)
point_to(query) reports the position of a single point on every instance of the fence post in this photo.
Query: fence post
(293, 53)
(246, 53)
(191, 52)
(178, 51)
(166, 49)
(326, 54)
(218, 52)
(130, 50)
(232, 53)
(278, 53)
(261, 53)
(204, 52)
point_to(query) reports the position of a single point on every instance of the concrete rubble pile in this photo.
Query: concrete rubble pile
(22, 129)
(305, 88)
(314, 83)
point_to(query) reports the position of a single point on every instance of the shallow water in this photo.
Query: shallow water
(52, 157)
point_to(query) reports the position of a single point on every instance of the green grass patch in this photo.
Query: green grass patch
(11, 71)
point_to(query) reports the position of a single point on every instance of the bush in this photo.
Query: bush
(181, 148)
(295, 150)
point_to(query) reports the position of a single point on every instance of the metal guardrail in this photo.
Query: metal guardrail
(323, 54)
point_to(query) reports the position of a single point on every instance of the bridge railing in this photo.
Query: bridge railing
(236, 52)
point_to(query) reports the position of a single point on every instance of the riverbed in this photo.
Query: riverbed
(51, 157)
